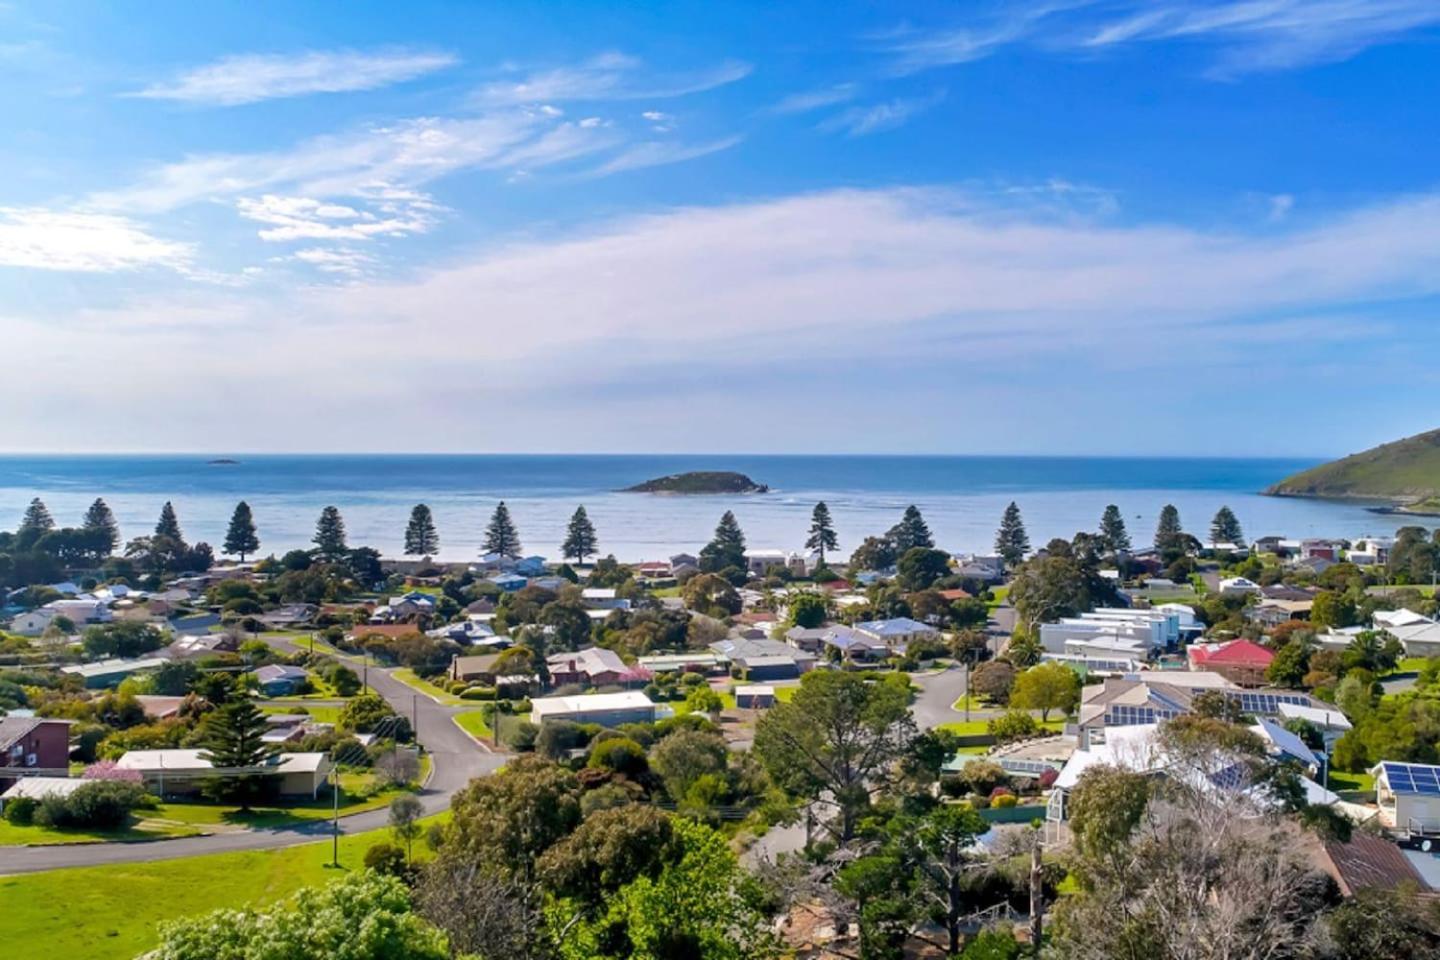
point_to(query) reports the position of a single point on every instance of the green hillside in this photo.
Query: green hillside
(1405, 470)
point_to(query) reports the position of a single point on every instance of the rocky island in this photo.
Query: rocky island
(700, 482)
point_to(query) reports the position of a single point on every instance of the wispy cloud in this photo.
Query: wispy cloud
(1246, 35)
(83, 242)
(339, 260)
(656, 153)
(250, 78)
(860, 121)
(808, 100)
(610, 76)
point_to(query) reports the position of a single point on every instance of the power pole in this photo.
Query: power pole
(1037, 897)
(335, 821)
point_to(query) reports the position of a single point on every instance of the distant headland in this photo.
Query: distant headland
(700, 482)
(1406, 473)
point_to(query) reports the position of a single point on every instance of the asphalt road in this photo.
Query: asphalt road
(455, 760)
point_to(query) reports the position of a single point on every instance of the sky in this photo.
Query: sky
(1205, 227)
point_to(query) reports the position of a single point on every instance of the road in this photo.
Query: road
(455, 760)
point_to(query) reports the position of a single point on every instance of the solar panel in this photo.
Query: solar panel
(1416, 778)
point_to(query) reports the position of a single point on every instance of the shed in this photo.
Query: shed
(1408, 795)
(755, 697)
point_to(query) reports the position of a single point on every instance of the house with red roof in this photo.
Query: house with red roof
(1242, 662)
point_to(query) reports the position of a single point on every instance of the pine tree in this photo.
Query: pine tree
(911, 532)
(1112, 531)
(1225, 528)
(1168, 531)
(169, 524)
(235, 739)
(99, 519)
(421, 538)
(240, 538)
(501, 536)
(1011, 541)
(727, 548)
(330, 535)
(37, 519)
(822, 531)
(580, 541)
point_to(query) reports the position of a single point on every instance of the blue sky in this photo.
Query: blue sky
(1053, 227)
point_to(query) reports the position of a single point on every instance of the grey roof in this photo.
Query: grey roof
(896, 627)
(276, 671)
(13, 728)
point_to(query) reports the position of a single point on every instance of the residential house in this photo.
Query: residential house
(182, 771)
(896, 634)
(985, 568)
(593, 666)
(509, 582)
(1418, 639)
(653, 570)
(278, 680)
(32, 623)
(690, 662)
(191, 645)
(34, 743)
(602, 598)
(760, 658)
(1315, 548)
(474, 669)
(289, 615)
(1234, 586)
(1272, 613)
(82, 611)
(754, 697)
(684, 563)
(606, 709)
(1370, 551)
(158, 707)
(1242, 662)
(1408, 795)
(1315, 565)
(1152, 696)
(109, 673)
(530, 566)
(1368, 862)
(38, 788)
(198, 623)
(759, 561)
(465, 632)
(1331, 723)
(1390, 619)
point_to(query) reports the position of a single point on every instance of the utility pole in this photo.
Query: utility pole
(1037, 897)
(335, 821)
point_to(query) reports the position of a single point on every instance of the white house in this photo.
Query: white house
(182, 771)
(81, 611)
(1233, 586)
(606, 709)
(1408, 795)
(32, 623)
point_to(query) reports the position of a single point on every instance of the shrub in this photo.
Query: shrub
(1013, 725)
(983, 776)
(1047, 778)
(100, 805)
(387, 858)
(952, 786)
(621, 755)
(979, 801)
(522, 735)
(1004, 801)
(477, 693)
(108, 770)
(21, 811)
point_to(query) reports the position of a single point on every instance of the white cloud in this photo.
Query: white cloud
(860, 121)
(1247, 35)
(341, 260)
(655, 153)
(809, 100)
(82, 242)
(610, 76)
(298, 218)
(634, 313)
(250, 78)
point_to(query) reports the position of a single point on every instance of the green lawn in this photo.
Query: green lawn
(473, 723)
(1362, 782)
(407, 676)
(110, 912)
(320, 714)
(142, 830)
(977, 727)
(998, 596)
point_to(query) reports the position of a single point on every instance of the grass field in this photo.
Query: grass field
(17, 836)
(474, 724)
(1362, 782)
(111, 912)
(976, 727)
(320, 714)
(408, 677)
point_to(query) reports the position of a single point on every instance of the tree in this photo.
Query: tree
(234, 739)
(1046, 687)
(421, 538)
(169, 525)
(329, 536)
(822, 532)
(404, 819)
(240, 538)
(685, 756)
(101, 521)
(712, 595)
(1169, 533)
(1011, 541)
(911, 532)
(726, 549)
(501, 537)
(943, 843)
(1291, 663)
(1332, 609)
(1112, 531)
(36, 522)
(1049, 587)
(920, 567)
(993, 680)
(1225, 527)
(837, 741)
(807, 609)
(580, 540)
(121, 638)
(363, 916)
(874, 553)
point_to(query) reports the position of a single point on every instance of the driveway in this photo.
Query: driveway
(455, 760)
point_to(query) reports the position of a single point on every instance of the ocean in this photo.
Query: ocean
(961, 497)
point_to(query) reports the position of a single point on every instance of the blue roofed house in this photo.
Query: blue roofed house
(530, 566)
(509, 582)
(1408, 795)
(278, 680)
(896, 634)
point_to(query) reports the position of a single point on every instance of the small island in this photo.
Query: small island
(700, 482)
(222, 462)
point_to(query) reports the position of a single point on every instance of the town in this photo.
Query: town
(1106, 746)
